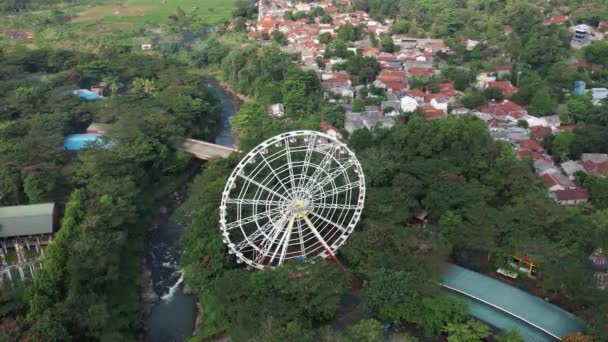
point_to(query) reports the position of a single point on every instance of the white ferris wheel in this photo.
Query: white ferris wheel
(297, 195)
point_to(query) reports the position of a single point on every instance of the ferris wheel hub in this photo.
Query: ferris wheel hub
(300, 208)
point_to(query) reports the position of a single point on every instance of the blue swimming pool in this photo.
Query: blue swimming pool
(87, 95)
(75, 142)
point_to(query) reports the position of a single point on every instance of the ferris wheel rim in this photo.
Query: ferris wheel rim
(279, 201)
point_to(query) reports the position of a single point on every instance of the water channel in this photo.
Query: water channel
(173, 317)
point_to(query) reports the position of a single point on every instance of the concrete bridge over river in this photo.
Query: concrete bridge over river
(204, 150)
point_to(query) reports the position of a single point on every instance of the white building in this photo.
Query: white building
(440, 103)
(408, 104)
(598, 94)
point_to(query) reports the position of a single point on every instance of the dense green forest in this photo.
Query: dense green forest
(89, 287)
(486, 203)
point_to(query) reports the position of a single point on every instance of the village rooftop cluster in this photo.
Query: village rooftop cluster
(418, 58)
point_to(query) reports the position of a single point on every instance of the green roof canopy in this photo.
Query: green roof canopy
(24, 220)
(505, 306)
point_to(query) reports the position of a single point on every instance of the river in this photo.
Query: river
(172, 318)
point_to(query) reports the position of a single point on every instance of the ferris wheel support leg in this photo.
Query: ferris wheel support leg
(320, 238)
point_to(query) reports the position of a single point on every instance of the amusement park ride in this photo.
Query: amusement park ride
(298, 195)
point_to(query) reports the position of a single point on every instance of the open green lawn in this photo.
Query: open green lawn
(156, 11)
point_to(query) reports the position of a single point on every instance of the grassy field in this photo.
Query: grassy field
(156, 11)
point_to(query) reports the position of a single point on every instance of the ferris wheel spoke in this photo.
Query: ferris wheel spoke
(326, 161)
(306, 163)
(277, 228)
(334, 206)
(317, 235)
(340, 170)
(289, 165)
(266, 214)
(301, 239)
(243, 201)
(275, 174)
(250, 240)
(284, 242)
(328, 221)
(262, 186)
(337, 190)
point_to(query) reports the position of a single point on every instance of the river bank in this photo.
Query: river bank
(172, 314)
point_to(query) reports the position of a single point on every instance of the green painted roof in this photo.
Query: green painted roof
(518, 304)
(23, 220)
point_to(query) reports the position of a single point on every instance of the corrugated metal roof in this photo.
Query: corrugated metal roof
(22, 220)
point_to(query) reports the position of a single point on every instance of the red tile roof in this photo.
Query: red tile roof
(567, 127)
(530, 145)
(415, 93)
(388, 79)
(558, 19)
(324, 126)
(549, 180)
(339, 77)
(420, 72)
(596, 169)
(507, 88)
(392, 73)
(533, 155)
(447, 89)
(539, 132)
(504, 67)
(395, 86)
(430, 113)
(504, 108)
(267, 23)
(571, 194)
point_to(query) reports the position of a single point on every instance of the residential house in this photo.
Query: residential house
(581, 35)
(471, 43)
(529, 145)
(276, 110)
(267, 24)
(556, 20)
(595, 157)
(571, 167)
(418, 95)
(505, 110)
(329, 130)
(440, 103)
(483, 78)
(504, 71)
(420, 72)
(538, 133)
(367, 119)
(597, 169)
(408, 104)
(507, 88)
(391, 106)
(98, 128)
(570, 196)
(338, 83)
(598, 95)
(431, 113)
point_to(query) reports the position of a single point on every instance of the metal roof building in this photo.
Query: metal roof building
(25, 220)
